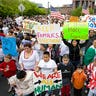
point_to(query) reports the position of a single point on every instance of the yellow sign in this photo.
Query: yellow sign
(74, 19)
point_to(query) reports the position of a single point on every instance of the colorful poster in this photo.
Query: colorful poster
(48, 34)
(9, 46)
(28, 25)
(48, 82)
(76, 30)
(91, 21)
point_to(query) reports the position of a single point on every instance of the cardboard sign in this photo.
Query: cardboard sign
(74, 19)
(76, 30)
(48, 34)
(9, 46)
(91, 21)
(46, 83)
(29, 25)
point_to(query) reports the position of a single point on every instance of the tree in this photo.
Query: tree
(10, 7)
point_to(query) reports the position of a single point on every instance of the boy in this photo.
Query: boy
(78, 79)
(22, 83)
(46, 66)
(8, 67)
(67, 69)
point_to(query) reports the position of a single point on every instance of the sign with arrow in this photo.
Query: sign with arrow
(21, 7)
(46, 83)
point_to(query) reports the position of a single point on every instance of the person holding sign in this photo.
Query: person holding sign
(47, 65)
(74, 51)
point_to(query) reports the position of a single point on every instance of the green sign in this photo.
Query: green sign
(75, 30)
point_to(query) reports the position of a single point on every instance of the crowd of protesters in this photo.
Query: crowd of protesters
(76, 60)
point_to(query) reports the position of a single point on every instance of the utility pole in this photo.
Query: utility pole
(48, 7)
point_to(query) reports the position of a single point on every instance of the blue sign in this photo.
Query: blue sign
(92, 22)
(9, 46)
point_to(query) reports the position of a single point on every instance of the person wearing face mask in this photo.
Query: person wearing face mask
(78, 80)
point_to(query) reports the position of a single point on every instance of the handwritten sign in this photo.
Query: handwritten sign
(76, 30)
(9, 46)
(48, 34)
(46, 83)
(91, 21)
(74, 19)
(29, 24)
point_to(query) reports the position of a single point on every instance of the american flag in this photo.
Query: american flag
(85, 10)
(54, 13)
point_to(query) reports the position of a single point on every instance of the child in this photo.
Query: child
(67, 69)
(8, 67)
(23, 83)
(78, 79)
(46, 66)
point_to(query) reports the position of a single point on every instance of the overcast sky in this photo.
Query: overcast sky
(55, 3)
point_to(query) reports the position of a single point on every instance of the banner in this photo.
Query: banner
(74, 19)
(46, 83)
(28, 25)
(48, 34)
(9, 46)
(76, 30)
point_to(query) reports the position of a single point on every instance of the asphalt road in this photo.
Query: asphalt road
(3, 86)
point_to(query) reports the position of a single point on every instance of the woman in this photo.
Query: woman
(28, 58)
(74, 51)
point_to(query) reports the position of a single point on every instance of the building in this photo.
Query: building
(89, 3)
(66, 9)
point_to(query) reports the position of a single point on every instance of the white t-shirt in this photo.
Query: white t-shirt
(30, 62)
(63, 49)
(47, 67)
(5, 29)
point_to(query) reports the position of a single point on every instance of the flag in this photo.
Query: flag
(54, 13)
(85, 10)
(95, 2)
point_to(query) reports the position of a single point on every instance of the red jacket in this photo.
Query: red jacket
(12, 68)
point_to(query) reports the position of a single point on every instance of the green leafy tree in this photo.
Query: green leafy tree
(10, 7)
(78, 11)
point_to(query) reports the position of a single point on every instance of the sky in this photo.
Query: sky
(54, 3)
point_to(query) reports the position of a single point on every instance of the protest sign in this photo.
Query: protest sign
(91, 21)
(19, 20)
(48, 82)
(29, 25)
(74, 19)
(9, 46)
(76, 30)
(48, 34)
